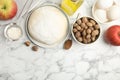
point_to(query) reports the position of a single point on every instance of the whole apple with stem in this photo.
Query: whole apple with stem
(112, 35)
(8, 9)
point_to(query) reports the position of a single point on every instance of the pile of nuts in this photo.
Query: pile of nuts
(34, 48)
(86, 30)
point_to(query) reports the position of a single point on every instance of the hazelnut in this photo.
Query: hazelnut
(81, 30)
(84, 20)
(89, 24)
(86, 27)
(83, 25)
(74, 30)
(93, 38)
(89, 40)
(88, 36)
(78, 27)
(91, 28)
(89, 31)
(80, 39)
(35, 48)
(97, 27)
(93, 22)
(95, 33)
(75, 24)
(84, 33)
(84, 40)
(27, 43)
(77, 34)
(79, 22)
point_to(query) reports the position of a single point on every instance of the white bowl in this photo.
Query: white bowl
(96, 18)
(40, 43)
(81, 42)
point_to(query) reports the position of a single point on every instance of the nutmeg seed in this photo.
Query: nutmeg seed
(79, 22)
(74, 30)
(27, 43)
(89, 24)
(78, 27)
(35, 48)
(93, 22)
(83, 25)
(97, 27)
(95, 32)
(75, 24)
(89, 31)
(84, 20)
(67, 44)
(77, 34)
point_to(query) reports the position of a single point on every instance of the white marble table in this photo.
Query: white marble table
(98, 61)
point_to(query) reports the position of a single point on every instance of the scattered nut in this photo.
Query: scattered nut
(67, 44)
(27, 43)
(35, 48)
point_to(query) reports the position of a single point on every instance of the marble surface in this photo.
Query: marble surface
(98, 61)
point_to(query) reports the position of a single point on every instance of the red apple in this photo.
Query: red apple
(8, 9)
(112, 35)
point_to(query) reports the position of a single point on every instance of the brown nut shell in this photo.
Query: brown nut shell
(35, 48)
(80, 39)
(83, 25)
(78, 28)
(97, 27)
(93, 22)
(75, 30)
(67, 44)
(79, 22)
(95, 33)
(89, 31)
(75, 24)
(27, 43)
(89, 24)
(84, 19)
(78, 34)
